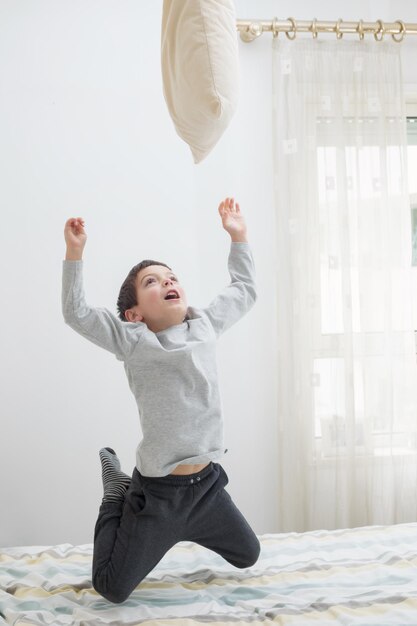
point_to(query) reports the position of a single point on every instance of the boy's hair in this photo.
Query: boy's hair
(127, 295)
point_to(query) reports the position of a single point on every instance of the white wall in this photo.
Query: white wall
(85, 132)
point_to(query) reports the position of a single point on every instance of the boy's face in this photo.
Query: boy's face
(157, 306)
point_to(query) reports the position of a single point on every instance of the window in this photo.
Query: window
(334, 431)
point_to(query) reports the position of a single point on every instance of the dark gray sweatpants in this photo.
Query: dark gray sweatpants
(132, 537)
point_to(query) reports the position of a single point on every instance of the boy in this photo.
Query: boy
(176, 492)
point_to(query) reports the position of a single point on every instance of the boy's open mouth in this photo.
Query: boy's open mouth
(172, 295)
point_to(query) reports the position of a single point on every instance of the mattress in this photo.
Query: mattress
(365, 576)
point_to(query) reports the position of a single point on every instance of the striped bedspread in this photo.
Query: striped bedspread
(365, 576)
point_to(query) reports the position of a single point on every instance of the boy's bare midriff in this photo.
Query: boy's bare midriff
(188, 469)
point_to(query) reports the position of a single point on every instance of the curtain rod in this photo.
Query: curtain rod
(251, 29)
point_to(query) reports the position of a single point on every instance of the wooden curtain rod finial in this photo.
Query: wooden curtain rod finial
(253, 31)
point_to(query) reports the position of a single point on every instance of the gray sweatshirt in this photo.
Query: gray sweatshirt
(172, 373)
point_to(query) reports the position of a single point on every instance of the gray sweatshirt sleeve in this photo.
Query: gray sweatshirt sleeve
(240, 295)
(98, 325)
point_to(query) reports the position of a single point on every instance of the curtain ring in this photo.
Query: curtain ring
(381, 31)
(339, 34)
(294, 28)
(314, 28)
(360, 30)
(400, 36)
(275, 31)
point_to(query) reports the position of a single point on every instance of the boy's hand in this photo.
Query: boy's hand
(232, 219)
(75, 237)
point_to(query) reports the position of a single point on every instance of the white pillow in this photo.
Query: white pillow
(200, 69)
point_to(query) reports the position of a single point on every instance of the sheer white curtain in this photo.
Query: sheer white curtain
(347, 374)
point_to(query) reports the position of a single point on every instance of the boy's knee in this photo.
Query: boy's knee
(252, 557)
(252, 553)
(116, 598)
(114, 595)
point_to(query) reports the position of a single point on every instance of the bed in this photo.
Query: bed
(364, 576)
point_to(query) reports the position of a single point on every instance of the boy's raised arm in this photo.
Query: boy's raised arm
(98, 325)
(240, 295)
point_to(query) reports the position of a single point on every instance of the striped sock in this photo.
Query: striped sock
(115, 482)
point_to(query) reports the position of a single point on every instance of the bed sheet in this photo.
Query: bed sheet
(364, 576)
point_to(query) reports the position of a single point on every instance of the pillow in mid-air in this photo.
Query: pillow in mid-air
(200, 69)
